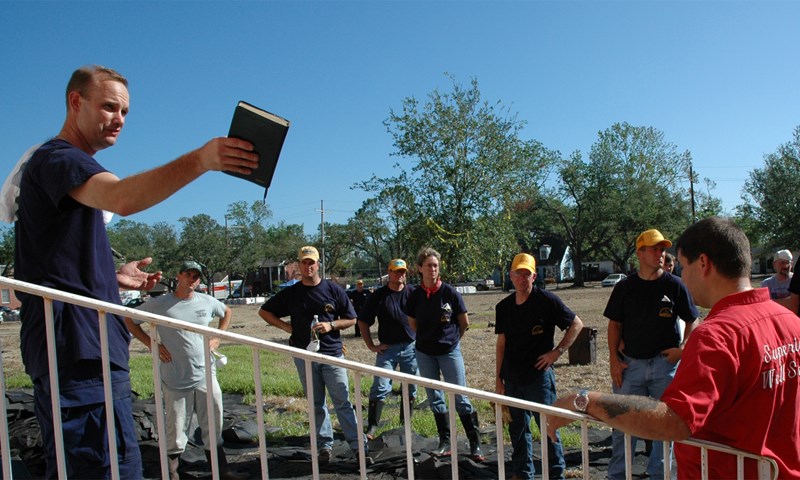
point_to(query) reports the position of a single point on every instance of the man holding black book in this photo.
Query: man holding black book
(61, 243)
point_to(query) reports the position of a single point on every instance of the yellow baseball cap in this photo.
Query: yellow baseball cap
(650, 238)
(524, 261)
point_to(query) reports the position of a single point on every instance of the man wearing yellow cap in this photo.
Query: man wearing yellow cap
(396, 347)
(314, 297)
(644, 339)
(526, 351)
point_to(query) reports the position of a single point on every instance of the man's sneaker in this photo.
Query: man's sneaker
(324, 456)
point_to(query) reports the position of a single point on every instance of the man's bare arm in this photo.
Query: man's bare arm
(637, 415)
(141, 191)
(271, 319)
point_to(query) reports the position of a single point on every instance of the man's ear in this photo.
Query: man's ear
(704, 263)
(74, 100)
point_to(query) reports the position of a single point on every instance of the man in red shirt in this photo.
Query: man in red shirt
(737, 383)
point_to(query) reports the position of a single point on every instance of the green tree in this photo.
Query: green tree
(633, 180)
(131, 239)
(203, 240)
(466, 162)
(7, 248)
(770, 211)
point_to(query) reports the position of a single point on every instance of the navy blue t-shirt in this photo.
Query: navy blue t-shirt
(327, 300)
(387, 305)
(437, 318)
(648, 311)
(529, 330)
(62, 244)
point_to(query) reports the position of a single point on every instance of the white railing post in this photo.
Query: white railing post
(406, 406)
(212, 414)
(312, 419)
(55, 391)
(155, 355)
(111, 425)
(262, 434)
(500, 435)
(5, 460)
(451, 402)
(362, 461)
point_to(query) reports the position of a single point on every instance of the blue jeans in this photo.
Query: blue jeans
(543, 391)
(451, 367)
(401, 354)
(648, 377)
(334, 379)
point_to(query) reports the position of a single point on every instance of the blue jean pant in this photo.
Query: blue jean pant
(648, 377)
(397, 354)
(451, 367)
(542, 390)
(84, 429)
(334, 379)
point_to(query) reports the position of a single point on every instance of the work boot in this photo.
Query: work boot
(173, 462)
(411, 402)
(225, 471)
(373, 417)
(470, 422)
(443, 427)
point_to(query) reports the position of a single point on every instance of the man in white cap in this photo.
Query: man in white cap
(183, 366)
(643, 337)
(327, 301)
(525, 353)
(778, 284)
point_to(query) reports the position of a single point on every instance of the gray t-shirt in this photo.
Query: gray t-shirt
(777, 289)
(187, 368)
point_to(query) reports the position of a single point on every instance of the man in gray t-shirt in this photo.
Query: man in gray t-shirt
(182, 366)
(778, 284)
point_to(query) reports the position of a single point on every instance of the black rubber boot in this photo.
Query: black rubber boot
(373, 417)
(225, 471)
(173, 462)
(443, 427)
(470, 422)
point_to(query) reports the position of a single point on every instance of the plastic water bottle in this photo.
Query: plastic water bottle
(313, 345)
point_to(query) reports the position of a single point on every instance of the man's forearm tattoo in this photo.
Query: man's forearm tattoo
(616, 405)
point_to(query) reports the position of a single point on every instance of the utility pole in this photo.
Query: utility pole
(691, 190)
(322, 239)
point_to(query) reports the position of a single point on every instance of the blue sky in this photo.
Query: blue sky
(719, 78)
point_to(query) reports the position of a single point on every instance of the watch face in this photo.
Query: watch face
(581, 401)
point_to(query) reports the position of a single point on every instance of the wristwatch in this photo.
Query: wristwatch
(333, 325)
(581, 402)
(561, 349)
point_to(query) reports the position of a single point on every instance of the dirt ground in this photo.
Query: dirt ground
(478, 345)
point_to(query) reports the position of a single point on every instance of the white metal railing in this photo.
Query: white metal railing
(767, 467)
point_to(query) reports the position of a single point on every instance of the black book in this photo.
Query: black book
(267, 132)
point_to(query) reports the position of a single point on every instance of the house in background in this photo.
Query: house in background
(7, 296)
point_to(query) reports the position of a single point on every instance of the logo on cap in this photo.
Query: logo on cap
(397, 264)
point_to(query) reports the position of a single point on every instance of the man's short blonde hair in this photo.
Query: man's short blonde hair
(83, 78)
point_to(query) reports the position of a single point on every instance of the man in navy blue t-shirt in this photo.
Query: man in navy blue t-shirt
(313, 298)
(644, 338)
(61, 243)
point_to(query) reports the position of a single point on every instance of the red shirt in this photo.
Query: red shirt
(737, 384)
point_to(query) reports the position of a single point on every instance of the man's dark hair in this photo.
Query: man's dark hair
(723, 242)
(83, 77)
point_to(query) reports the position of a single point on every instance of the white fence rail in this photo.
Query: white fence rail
(767, 467)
